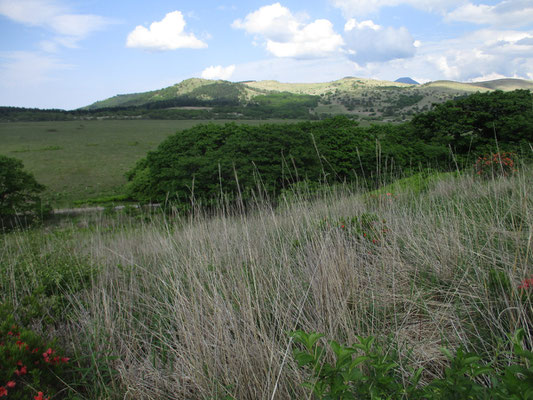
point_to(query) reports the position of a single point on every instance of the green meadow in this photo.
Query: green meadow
(80, 160)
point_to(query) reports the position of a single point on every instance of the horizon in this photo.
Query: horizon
(58, 55)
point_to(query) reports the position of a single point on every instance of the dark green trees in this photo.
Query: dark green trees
(19, 193)
(208, 160)
(475, 123)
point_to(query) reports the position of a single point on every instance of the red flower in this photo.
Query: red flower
(65, 359)
(11, 384)
(3, 391)
(22, 371)
(40, 396)
(526, 283)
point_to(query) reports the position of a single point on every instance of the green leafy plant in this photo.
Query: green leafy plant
(366, 371)
(30, 367)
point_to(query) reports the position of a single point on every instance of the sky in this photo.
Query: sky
(68, 54)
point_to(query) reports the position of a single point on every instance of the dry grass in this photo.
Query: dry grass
(201, 308)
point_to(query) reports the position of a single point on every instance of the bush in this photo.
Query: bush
(30, 367)
(19, 194)
(502, 163)
(366, 370)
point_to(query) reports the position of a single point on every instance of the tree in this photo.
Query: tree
(19, 193)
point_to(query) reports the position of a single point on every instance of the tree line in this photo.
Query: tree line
(205, 160)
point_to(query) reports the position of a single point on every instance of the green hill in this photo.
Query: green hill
(366, 99)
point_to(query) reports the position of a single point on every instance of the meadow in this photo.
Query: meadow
(80, 160)
(200, 306)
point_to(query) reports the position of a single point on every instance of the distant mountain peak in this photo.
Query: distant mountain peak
(407, 80)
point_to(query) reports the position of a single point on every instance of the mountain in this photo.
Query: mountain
(407, 80)
(506, 84)
(363, 98)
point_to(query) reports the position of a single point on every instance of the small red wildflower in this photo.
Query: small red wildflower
(64, 360)
(3, 391)
(22, 371)
(11, 384)
(526, 284)
(40, 396)
(342, 226)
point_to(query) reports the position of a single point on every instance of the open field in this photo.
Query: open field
(79, 160)
(200, 307)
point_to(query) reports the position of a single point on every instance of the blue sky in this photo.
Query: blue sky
(67, 54)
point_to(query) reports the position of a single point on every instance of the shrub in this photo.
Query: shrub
(30, 367)
(502, 163)
(19, 194)
(366, 371)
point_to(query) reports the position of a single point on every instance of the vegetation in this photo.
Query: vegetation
(163, 306)
(375, 373)
(84, 160)
(427, 277)
(19, 194)
(199, 164)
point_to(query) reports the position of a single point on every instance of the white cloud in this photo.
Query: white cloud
(167, 34)
(369, 42)
(52, 15)
(287, 35)
(515, 13)
(477, 55)
(27, 69)
(295, 70)
(357, 8)
(218, 72)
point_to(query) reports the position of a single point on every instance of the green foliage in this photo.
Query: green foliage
(19, 194)
(366, 370)
(199, 164)
(475, 123)
(362, 371)
(29, 364)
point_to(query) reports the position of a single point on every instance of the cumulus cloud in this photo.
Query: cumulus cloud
(167, 34)
(368, 42)
(515, 13)
(473, 56)
(218, 72)
(54, 16)
(358, 8)
(295, 70)
(287, 35)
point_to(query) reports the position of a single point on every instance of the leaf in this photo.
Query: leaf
(482, 370)
(358, 360)
(447, 353)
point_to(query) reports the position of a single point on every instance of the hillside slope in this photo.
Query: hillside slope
(365, 98)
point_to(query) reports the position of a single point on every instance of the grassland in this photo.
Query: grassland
(79, 160)
(199, 307)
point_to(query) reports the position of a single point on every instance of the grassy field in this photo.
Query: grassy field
(200, 307)
(78, 160)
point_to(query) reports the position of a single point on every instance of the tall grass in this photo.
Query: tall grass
(201, 307)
